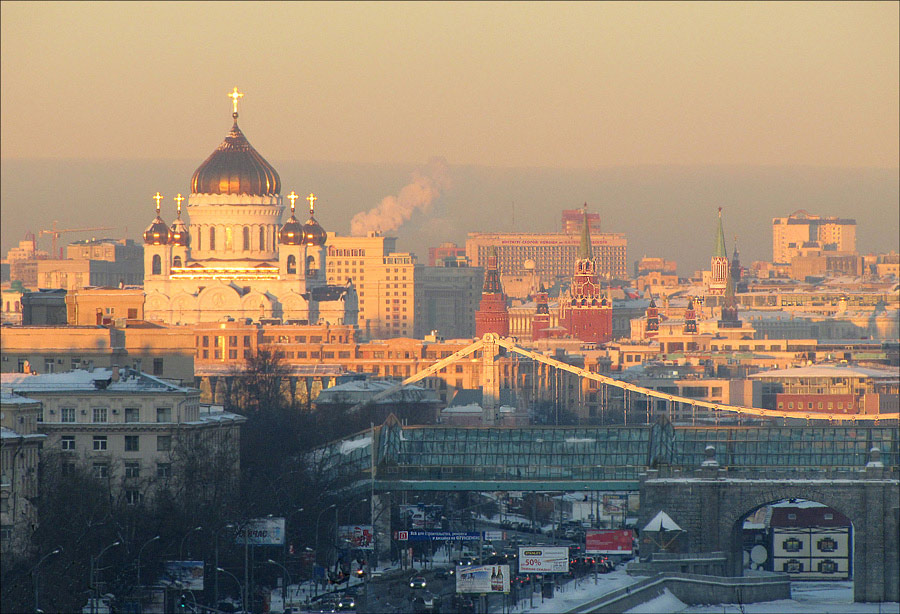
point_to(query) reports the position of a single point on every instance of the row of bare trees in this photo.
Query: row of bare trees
(185, 516)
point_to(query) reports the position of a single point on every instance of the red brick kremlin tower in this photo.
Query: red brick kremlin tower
(583, 311)
(492, 315)
(541, 321)
(652, 319)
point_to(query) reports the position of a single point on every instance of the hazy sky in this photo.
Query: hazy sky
(655, 113)
(506, 84)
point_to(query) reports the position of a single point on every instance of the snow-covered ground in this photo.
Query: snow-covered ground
(808, 598)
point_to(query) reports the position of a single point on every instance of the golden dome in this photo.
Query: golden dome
(157, 233)
(178, 233)
(291, 233)
(236, 168)
(312, 233)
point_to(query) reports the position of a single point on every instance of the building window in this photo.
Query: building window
(67, 414)
(156, 267)
(232, 354)
(163, 443)
(246, 235)
(132, 443)
(99, 443)
(101, 470)
(291, 265)
(262, 238)
(132, 470)
(132, 313)
(163, 470)
(67, 442)
(176, 262)
(163, 414)
(212, 238)
(157, 366)
(100, 414)
(133, 496)
(132, 414)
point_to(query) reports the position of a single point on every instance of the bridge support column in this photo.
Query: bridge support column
(381, 513)
(490, 390)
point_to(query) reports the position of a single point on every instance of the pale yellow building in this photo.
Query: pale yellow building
(130, 428)
(802, 230)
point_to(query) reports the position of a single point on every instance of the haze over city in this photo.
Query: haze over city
(652, 117)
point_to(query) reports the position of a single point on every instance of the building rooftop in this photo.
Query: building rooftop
(828, 371)
(79, 380)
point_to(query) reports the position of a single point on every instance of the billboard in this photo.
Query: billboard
(608, 541)
(450, 536)
(183, 574)
(482, 578)
(262, 532)
(357, 535)
(543, 559)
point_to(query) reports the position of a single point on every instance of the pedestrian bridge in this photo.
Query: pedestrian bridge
(599, 458)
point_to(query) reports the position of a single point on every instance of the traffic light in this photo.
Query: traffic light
(182, 602)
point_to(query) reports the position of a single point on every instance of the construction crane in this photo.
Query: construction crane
(55, 232)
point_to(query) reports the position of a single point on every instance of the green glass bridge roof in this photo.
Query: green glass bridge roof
(601, 458)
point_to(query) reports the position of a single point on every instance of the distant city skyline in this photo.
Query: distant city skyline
(654, 116)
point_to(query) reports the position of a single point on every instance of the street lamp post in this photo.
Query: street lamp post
(240, 588)
(181, 547)
(141, 550)
(283, 585)
(216, 574)
(316, 560)
(34, 574)
(95, 564)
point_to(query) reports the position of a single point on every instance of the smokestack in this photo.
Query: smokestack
(427, 184)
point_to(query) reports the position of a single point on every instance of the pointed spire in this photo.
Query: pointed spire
(584, 249)
(720, 252)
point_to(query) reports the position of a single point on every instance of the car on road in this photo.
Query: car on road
(346, 602)
(445, 573)
(417, 582)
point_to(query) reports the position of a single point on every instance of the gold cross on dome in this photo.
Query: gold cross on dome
(235, 96)
(312, 202)
(178, 200)
(157, 197)
(292, 197)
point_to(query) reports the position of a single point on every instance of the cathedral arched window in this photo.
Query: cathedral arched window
(291, 264)
(212, 238)
(176, 261)
(229, 238)
(196, 233)
(310, 265)
(156, 267)
(262, 238)
(246, 233)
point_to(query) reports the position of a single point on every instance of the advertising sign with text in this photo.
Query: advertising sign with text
(357, 535)
(482, 578)
(608, 541)
(262, 532)
(543, 559)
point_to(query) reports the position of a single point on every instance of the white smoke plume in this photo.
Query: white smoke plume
(427, 184)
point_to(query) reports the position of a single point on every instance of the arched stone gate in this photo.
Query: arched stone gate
(710, 505)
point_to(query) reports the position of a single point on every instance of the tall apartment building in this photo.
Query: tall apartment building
(398, 297)
(573, 220)
(802, 231)
(553, 254)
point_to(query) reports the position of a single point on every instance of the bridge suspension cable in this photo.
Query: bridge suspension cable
(491, 341)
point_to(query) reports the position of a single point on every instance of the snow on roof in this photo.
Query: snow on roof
(662, 522)
(8, 397)
(827, 371)
(81, 380)
(463, 409)
(349, 446)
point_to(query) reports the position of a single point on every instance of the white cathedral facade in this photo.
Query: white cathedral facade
(235, 259)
